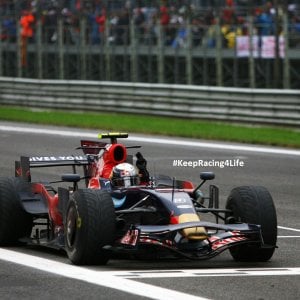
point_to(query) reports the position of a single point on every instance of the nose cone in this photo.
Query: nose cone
(193, 233)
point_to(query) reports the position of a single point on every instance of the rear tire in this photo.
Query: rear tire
(89, 226)
(254, 205)
(15, 222)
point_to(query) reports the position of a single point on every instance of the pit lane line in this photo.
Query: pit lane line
(164, 141)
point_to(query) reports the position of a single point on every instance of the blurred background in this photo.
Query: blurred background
(230, 43)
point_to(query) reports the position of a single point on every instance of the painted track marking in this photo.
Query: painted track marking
(111, 278)
(289, 228)
(101, 278)
(220, 146)
(207, 273)
(120, 280)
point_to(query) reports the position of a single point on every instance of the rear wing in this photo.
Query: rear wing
(51, 161)
(113, 136)
(93, 147)
(23, 166)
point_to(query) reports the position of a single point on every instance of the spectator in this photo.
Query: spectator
(228, 14)
(209, 17)
(101, 20)
(151, 19)
(197, 31)
(264, 21)
(9, 31)
(26, 22)
(171, 15)
(50, 25)
(71, 27)
(164, 23)
(230, 33)
(211, 35)
(164, 16)
(122, 29)
(139, 22)
(179, 31)
(295, 31)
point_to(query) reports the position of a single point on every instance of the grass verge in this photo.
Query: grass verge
(275, 136)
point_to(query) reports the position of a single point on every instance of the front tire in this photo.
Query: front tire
(15, 222)
(89, 226)
(253, 205)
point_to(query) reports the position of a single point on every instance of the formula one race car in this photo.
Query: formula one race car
(121, 209)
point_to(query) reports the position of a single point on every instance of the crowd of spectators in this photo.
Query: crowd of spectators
(110, 20)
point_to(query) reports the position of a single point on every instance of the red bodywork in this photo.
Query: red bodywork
(102, 157)
(106, 156)
(54, 214)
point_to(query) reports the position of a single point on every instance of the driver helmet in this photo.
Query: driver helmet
(124, 175)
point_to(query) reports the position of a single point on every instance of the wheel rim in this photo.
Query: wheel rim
(71, 227)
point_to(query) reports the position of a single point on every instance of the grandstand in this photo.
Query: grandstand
(236, 43)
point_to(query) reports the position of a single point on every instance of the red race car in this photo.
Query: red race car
(122, 209)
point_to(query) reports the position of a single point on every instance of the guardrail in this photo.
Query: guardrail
(276, 107)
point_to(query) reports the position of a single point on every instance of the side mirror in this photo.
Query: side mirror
(207, 175)
(204, 176)
(70, 177)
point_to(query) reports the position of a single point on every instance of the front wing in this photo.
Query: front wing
(219, 238)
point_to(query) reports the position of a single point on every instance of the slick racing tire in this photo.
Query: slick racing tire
(253, 205)
(15, 222)
(89, 226)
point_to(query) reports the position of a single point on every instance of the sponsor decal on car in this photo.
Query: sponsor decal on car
(56, 158)
(131, 237)
(218, 242)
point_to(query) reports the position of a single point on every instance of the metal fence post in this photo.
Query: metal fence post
(107, 52)
(1, 43)
(189, 60)
(39, 46)
(19, 54)
(251, 60)
(205, 62)
(133, 54)
(160, 53)
(61, 73)
(83, 51)
(277, 75)
(219, 63)
(286, 60)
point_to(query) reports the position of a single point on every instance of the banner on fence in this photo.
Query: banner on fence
(264, 47)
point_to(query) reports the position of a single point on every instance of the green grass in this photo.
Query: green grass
(277, 136)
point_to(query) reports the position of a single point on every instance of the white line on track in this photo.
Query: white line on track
(220, 146)
(207, 273)
(101, 278)
(117, 280)
(289, 228)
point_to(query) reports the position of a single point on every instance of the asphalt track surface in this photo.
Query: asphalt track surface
(37, 273)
